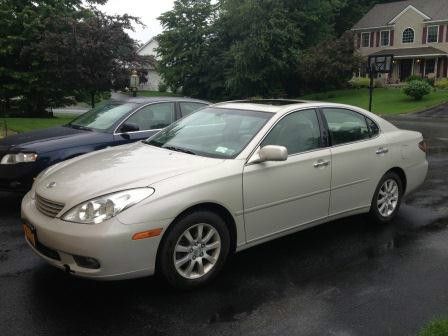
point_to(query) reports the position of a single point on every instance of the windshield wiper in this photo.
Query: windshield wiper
(179, 149)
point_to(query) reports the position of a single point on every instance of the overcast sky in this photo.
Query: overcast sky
(146, 10)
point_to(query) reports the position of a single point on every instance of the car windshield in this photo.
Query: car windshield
(103, 117)
(212, 132)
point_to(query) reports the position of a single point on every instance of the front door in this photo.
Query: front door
(279, 196)
(149, 119)
(405, 70)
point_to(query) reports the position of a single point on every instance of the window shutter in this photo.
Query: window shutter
(377, 39)
(372, 36)
(425, 31)
(359, 40)
(441, 31)
(446, 33)
(392, 38)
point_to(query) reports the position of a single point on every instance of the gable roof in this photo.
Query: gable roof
(154, 38)
(381, 15)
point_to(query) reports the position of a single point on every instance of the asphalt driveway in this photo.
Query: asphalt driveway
(344, 278)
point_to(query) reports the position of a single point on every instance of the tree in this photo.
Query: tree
(185, 45)
(329, 65)
(54, 49)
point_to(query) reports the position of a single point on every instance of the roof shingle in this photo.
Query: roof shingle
(380, 15)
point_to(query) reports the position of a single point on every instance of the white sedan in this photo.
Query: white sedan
(223, 179)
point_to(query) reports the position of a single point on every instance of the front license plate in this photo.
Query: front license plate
(30, 234)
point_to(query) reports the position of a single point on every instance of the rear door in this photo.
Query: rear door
(358, 156)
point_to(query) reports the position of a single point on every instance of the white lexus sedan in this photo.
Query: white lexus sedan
(228, 177)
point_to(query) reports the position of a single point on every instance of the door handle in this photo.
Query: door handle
(382, 150)
(322, 163)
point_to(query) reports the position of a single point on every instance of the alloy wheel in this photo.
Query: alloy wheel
(388, 198)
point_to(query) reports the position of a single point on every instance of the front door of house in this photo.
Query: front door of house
(405, 70)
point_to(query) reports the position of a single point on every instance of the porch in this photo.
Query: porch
(427, 62)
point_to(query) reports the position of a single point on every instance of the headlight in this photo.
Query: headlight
(10, 159)
(102, 208)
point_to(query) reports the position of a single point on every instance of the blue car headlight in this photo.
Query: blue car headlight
(10, 159)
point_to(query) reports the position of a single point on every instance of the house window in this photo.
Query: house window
(430, 66)
(385, 38)
(408, 35)
(365, 40)
(433, 34)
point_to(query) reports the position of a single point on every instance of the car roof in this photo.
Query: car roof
(147, 100)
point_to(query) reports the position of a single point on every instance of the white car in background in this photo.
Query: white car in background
(228, 177)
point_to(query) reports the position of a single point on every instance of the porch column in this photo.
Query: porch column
(436, 69)
(413, 62)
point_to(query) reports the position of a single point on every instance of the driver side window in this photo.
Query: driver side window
(153, 116)
(298, 132)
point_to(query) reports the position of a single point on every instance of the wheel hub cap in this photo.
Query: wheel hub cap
(197, 251)
(388, 198)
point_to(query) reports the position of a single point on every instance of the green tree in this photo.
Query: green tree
(329, 65)
(186, 44)
(53, 49)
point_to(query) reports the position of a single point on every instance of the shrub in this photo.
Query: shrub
(163, 87)
(435, 328)
(414, 78)
(442, 84)
(359, 82)
(417, 89)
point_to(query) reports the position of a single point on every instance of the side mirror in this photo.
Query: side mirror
(270, 153)
(129, 127)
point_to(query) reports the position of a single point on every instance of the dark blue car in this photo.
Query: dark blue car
(24, 156)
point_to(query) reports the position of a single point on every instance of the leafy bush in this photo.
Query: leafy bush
(163, 87)
(442, 84)
(435, 328)
(359, 82)
(417, 89)
(414, 78)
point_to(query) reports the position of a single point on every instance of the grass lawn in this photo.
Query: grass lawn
(156, 94)
(386, 101)
(18, 125)
(435, 328)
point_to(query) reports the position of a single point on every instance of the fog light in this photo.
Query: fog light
(86, 262)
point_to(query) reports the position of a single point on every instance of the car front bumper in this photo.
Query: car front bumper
(18, 177)
(110, 243)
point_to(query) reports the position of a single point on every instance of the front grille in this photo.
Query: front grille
(47, 207)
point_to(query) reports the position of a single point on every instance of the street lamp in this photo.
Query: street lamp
(134, 81)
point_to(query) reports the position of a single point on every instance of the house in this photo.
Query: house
(153, 77)
(414, 31)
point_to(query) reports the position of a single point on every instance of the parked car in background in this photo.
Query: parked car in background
(23, 156)
(228, 177)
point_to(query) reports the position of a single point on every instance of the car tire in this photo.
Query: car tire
(387, 198)
(194, 250)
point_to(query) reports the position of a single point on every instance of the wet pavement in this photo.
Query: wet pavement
(343, 278)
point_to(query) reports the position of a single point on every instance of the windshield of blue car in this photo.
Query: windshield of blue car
(103, 117)
(212, 132)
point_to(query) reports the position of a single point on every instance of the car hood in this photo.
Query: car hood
(114, 169)
(48, 139)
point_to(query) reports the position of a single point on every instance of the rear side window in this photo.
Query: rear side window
(187, 108)
(346, 126)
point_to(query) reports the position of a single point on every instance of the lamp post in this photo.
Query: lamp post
(134, 81)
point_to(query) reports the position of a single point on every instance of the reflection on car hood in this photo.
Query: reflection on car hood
(116, 168)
